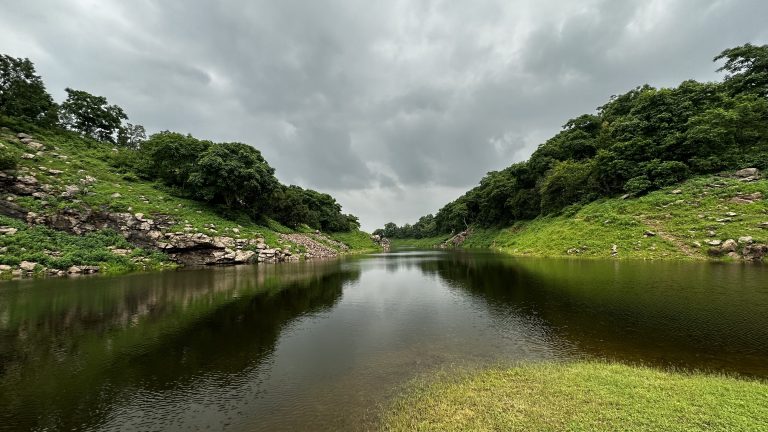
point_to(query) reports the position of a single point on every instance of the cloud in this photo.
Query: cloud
(393, 100)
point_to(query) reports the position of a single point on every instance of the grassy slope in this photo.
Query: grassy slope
(581, 397)
(83, 157)
(678, 219)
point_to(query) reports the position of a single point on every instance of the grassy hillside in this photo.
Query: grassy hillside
(586, 396)
(684, 218)
(82, 173)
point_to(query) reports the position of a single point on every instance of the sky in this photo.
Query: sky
(393, 107)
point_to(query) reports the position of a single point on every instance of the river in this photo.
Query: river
(325, 345)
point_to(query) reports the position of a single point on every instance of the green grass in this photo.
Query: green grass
(58, 250)
(422, 243)
(358, 241)
(98, 170)
(586, 396)
(680, 220)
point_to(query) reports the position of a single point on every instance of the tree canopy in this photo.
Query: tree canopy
(23, 94)
(639, 141)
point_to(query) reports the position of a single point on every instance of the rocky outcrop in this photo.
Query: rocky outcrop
(458, 239)
(313, 247)
(381, 241)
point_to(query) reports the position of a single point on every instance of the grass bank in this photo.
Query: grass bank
(588, 396)
(422, 243)
(673, 223)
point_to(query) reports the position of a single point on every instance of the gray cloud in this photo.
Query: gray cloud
(395, 106)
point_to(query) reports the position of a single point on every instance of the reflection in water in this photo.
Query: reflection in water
(318, 346)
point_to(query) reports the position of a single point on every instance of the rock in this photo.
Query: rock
(244, 256)
(754, 252)
(88, 180)
(116, 195)
(27, 156)
(22, 135)
(696, 244)
(89, 269)
(27, 180)
(649, 234)
(5, 268)
(122, 252)
(729, 245)
(711, 233)
(70, 191)
(763, 225)
(27, 266)
(724, 220)
(9, 231)
(746, 240)
(677, 192)
(731, 214)
(747, 199)
(74, 270)
(614, 250)
(36, 146)
(714, 242)
(747, 172)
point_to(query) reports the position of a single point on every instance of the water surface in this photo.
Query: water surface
(321, 346)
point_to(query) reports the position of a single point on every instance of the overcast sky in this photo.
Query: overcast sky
(394, 107)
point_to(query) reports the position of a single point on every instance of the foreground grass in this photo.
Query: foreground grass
(683, 217)
(589, 396)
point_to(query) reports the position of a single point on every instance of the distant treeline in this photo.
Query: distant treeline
(230, 176)
(642, 140)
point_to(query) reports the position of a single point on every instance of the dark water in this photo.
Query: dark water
(320, 346)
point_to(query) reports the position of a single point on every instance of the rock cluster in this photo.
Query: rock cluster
(382, 241)
(313, 247)
(457, 240)
(745, 248)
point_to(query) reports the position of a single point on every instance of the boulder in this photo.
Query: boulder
(5, 268)
(9, 231)
(27, 266)
(747, 172)
(74, 270)
(746, 240)
(22, 135)
(729, 245)
(754, 252)
(36, 146)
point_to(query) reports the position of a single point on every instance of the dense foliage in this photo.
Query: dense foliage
(23, 94)
(642, 140)
(232, 177)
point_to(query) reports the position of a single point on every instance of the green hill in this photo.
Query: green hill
(70, 201)
(685, 221)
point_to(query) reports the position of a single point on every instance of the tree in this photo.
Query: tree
(747, 68)
(131, 136)
(91, 115)
(23, 94)
(233, 174)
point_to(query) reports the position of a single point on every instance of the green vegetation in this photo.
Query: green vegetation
(659, 225)
(57, 250)
(638, 142)
(587, 396)
(86, 158)
(418, 243)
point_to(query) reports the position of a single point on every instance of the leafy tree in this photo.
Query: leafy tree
(233, 174)
(91, 115)
(131, 136)
(747, 68)
(23, 94)
(639, 141)
(171, 157)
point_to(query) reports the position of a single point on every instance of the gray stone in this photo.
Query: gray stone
(746, 240)
(27, 266)
(747, 172)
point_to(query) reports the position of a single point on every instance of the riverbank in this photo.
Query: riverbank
(585, 396)
(710, 217)
(68, 206)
